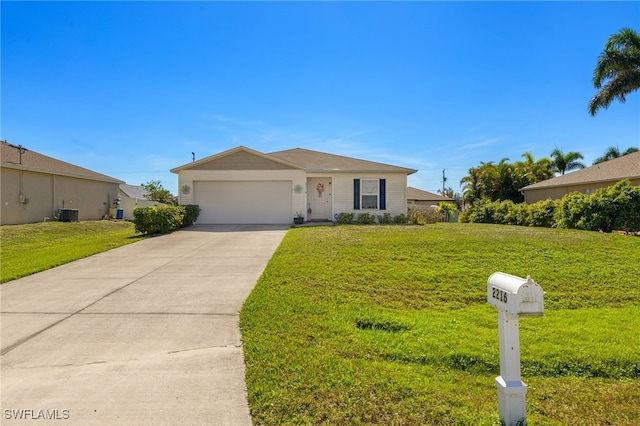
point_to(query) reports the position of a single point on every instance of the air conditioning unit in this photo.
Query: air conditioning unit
(68, 215)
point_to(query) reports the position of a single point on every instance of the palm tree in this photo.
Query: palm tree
(472, 185)
(562, 162)
(532, 171)
(502, 182)
(618, 67)
(476, 184)
(613, 152)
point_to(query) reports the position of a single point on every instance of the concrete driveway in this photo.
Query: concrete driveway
(145, 334)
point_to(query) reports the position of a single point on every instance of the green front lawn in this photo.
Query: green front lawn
(34, 247)
(390, 325)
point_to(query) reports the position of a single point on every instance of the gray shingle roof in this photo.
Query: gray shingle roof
(311, 161)
(420, 195)
(36, 162)
(625, 167)
(320, 161)
(133, 191)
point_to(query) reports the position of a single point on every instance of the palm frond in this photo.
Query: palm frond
(615, 89)
(617, 71)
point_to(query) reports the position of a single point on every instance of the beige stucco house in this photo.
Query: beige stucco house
(586, 180)
(132, 197)
(242, 185)
(35, 188)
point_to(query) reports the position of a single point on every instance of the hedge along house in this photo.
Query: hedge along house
(586, 180)
(35, 188)
(244, 186)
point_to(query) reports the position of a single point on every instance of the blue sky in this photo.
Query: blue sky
(131, 89)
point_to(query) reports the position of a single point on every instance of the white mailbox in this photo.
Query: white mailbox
(515, 295)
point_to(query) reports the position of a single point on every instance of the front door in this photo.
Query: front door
(319, 198)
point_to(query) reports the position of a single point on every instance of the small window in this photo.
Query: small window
(370, 190)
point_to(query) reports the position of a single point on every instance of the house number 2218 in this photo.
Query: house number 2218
(498, 294)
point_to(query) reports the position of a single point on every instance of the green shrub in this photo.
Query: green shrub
(423, 215)
(385, 219)
(345, 219)
(501, 211)
(158, 220)
(613, 208)
(571, 211)
(519, 214)
(509, 213)
(400, 219)
(627, 200)
(542, 213)
(191, 213)
(481, 211)
(366, 219)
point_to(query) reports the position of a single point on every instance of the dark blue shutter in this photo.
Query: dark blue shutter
(383, 194)
(356, 194)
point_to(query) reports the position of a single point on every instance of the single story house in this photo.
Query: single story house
(244, 186)
(586, 180)
(36, 188)
(419, 197)
(131, 197)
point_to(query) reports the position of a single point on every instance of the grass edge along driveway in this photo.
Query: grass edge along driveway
(390, 325)
(35, 247)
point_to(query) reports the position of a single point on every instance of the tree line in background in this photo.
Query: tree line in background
(503, 180)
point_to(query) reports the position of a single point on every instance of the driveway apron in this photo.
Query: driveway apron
(145, 334)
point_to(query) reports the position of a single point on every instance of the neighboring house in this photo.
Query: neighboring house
(242, 185)
(36, 188)
(132, 196)
(419, 197)
(586, 180)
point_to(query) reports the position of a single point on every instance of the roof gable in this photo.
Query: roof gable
(12, 157)
(625, 167)
(240, 158)
(314, 161)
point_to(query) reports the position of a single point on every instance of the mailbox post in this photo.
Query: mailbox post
(514, 297)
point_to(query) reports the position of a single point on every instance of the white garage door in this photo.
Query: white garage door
(243, 202)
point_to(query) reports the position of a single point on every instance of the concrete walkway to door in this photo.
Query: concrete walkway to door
(145, 334)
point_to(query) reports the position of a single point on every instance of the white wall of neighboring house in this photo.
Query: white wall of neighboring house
(128, 204)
